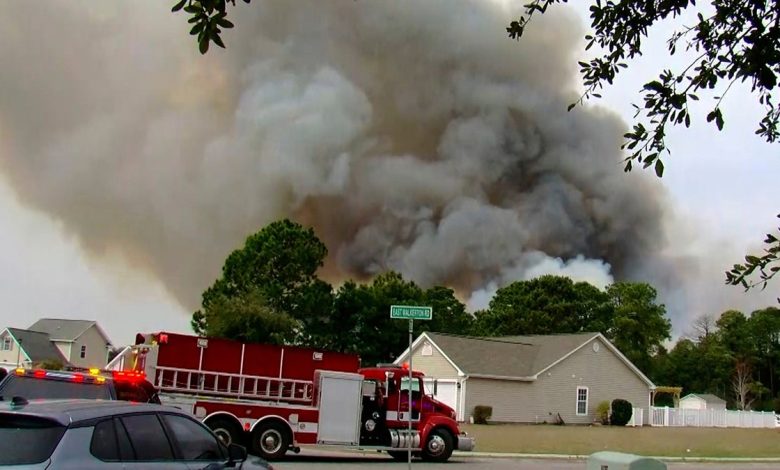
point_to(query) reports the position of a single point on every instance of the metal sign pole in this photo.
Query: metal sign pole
(411, 328)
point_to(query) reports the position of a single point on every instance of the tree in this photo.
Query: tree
(246, 317)
(738, 42)
(544, 305)
(640, 325)
(742, 384)
(207, 17)
(767, 265)
(279, 263)
(703, 326)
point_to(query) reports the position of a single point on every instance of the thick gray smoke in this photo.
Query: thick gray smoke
(412, 135)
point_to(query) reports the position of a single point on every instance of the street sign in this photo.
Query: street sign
(409, 312)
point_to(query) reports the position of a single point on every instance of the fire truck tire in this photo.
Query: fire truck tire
(271, 440)
(227, 430)
(439, 446)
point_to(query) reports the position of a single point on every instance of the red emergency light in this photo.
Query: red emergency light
(39, 373)
(128, 376)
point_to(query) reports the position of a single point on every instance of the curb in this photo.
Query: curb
(511, 455)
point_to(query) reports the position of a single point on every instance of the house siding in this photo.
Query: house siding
(64, 347)
(555, 391)
(434, 366)
(8, 358)
(96, 349)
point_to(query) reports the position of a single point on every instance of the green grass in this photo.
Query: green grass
(667, 442)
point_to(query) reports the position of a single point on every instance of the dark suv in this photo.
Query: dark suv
(38, 383)
(99, 434)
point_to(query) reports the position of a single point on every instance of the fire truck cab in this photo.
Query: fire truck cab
(274, 399)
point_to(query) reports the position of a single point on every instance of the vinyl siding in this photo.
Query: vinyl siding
(96, 349)
(434, 366)
(555, 391)
(64, 347)
(8, 358)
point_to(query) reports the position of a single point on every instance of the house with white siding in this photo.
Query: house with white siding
(702, 401)
(528, 379)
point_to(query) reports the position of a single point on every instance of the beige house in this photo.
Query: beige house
(82, 342)
(702, 401)
(528, 379)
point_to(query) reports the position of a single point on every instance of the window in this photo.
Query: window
(427, 349)
(27, 440)
(582, 400)
(104, 445)
(8, 344)
(147, 437)
(83, 351)
(192, 440)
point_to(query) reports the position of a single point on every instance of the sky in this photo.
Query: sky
(721, 190)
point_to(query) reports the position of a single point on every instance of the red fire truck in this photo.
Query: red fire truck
(277, 398)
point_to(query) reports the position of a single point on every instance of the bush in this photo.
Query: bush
(49, 364)
(621, 412)
(602, 412)
(482, 414)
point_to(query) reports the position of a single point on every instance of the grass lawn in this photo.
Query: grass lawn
(584, 440)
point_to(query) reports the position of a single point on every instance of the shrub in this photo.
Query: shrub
(621, 412)
(49, 364)
(602, 412)
(482, 414)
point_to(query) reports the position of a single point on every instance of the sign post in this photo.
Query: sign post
(412, 313)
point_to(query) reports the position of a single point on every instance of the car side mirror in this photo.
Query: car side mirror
(236, 453)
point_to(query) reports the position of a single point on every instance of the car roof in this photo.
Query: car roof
(67, 412)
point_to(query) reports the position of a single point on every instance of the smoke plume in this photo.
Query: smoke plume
(412, 136)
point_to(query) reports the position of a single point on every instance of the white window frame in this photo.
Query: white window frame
(578, 401)
(8, 344)
(83, 352)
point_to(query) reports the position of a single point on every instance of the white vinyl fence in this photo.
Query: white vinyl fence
(637, 417)
(665, 416)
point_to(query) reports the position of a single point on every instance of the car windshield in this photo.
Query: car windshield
(26, 440)
(33, 388)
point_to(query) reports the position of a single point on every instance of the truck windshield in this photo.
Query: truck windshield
(26, 440)
(32, 388)
(415, 384)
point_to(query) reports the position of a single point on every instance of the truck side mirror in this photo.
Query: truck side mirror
(435, 387)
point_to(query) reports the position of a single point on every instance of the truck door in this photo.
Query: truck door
(398, 402)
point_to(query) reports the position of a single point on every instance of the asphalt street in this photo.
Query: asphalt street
(316, 459)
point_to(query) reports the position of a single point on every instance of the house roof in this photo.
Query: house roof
(707, 397)
(507, 356)
(64, 330)
(37, 345)
(513, 357)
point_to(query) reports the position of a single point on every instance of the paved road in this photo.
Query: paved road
(316, 460)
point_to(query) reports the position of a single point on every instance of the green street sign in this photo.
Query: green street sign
(408, 312)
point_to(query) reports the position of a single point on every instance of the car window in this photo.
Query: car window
(104, 444)
(147, 437)
(193, 441)
(30, 388)
(123, 441)
(27, 440)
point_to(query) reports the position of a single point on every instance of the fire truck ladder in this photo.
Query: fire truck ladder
(204, 382)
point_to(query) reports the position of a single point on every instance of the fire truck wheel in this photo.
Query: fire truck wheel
(271, 440)
(226, 430)
(439, 446)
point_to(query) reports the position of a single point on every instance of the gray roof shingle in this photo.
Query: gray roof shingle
(508, 356)
(61, 329)
(37, 345)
